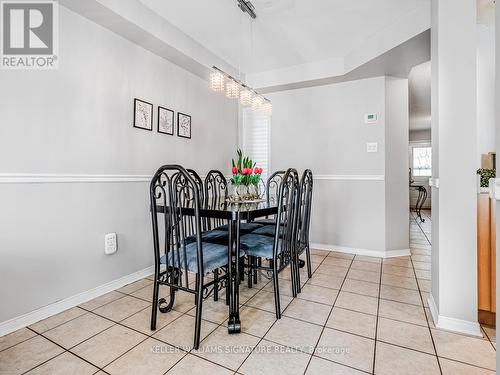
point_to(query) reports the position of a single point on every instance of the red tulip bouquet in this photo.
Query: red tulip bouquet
(246, 178)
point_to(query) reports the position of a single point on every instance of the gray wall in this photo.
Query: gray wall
(78, 120)
(323, 128)
(420, 135)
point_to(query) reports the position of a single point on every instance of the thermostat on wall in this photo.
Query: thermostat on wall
(371, 118)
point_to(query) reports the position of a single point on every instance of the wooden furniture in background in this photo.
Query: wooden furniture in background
(486, 259)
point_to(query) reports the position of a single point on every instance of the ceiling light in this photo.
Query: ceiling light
(247, 7)
(246, 96)
(257, 102)
(217, 81)
(232, 89)
(267, 107)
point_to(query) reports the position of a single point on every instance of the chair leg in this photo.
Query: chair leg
(197, 325)
(242, 271)
(256, 263)
(216, 285)
(276, 294)
(308, 257)
(228, 282)
(250, 265)
(293, 274)
(154, 308)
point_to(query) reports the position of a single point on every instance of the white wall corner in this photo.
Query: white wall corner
(32, 317)
(452, 324)
(495, 188)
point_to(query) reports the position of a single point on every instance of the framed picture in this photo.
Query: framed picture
(183, 125)
(143, 115)
(165, 121)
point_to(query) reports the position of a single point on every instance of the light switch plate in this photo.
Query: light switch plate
(371, 147)
(110, 244)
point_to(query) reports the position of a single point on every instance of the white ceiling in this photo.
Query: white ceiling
(419, 87)
(286, 32)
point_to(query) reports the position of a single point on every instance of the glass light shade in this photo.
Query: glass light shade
(232, 89)
(267, 108)
(257, 102)
(246, 97)
(217, 81)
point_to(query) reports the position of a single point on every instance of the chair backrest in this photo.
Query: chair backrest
(216, 193)
(286, 228)
(273, 185)
(173, 191)
(199, 183)
(304, 217)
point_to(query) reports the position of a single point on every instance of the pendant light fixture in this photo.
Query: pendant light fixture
(235, 89)
(217, 80)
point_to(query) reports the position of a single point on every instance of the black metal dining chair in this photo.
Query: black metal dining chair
(180, 252)
(279, 249)
(303, 222)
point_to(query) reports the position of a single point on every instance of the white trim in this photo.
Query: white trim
(358, 251)
(452, 324)
(349, 177)
(434, 182)
(45, 178)
(48, 178)
(32, 317)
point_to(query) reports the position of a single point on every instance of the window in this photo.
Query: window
(256, 138)
(422, 161)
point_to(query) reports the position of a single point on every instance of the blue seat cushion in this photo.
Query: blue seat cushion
(266, 230)
(245, 228)
(220, 237)
(258, 245)
(214, 256)
(266, 221)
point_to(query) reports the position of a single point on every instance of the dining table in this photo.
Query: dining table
(234, 213)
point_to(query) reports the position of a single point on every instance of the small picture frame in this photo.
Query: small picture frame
(143, 115)
(183, 125)
(165, 121)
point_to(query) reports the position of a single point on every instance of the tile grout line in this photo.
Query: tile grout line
(378, 314)
(329, 314)
(423, 306)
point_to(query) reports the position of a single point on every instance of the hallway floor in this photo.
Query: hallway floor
(356, 315)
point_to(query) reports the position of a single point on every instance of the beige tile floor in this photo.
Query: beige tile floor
(356, 315)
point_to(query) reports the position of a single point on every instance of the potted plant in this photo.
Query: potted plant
(245, 180)
(484, 177)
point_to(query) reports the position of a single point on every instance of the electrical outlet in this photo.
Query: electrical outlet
(371, 147)
(110, 244)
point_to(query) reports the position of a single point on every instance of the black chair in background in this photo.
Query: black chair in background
(279, 249)
(272, 189)
(179, 251)
(303, 222)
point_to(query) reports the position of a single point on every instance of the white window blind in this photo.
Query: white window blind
(256, 138)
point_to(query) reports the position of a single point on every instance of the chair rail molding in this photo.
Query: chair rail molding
(48, 178)
(350, 177)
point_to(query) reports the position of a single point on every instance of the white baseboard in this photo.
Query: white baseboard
(453, 324)
(32, 317)
(357, 251)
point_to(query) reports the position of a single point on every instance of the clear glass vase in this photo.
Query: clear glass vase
(244, 193)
